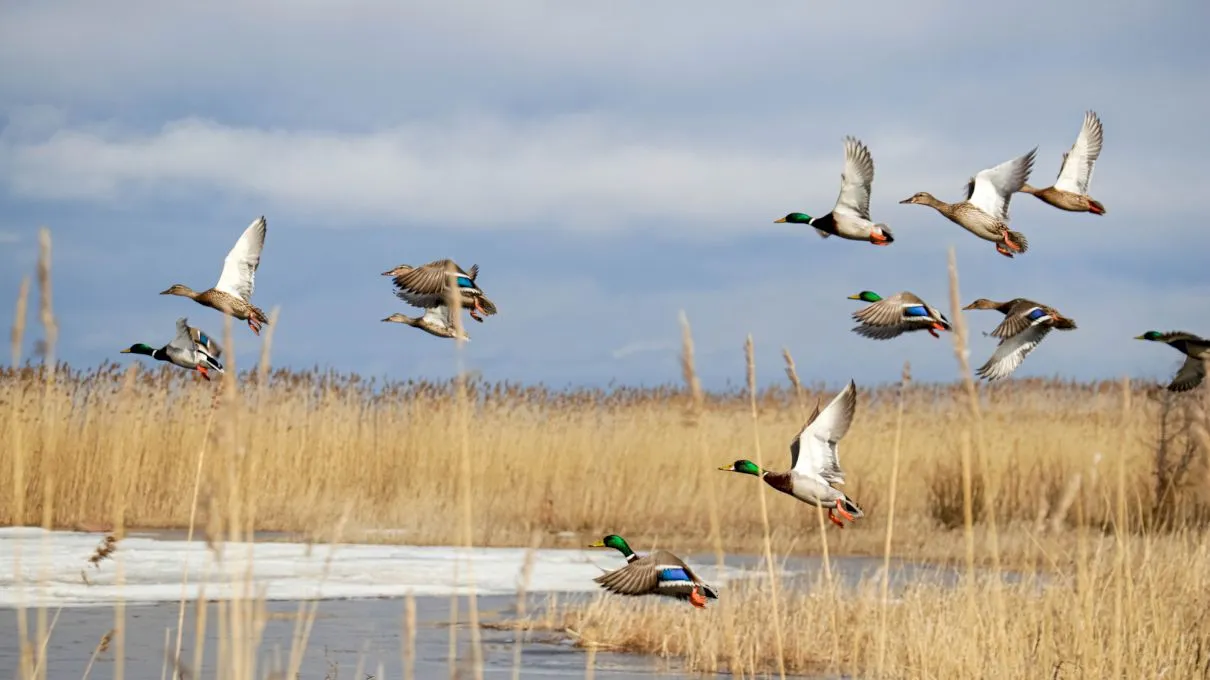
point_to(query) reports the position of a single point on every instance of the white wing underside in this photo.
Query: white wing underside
(995, 186)
(439, 315)
(1075, 174)
(1012, 351)
(239, 267)
(855, 181)
(818, 443)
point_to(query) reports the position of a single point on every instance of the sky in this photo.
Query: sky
(607, 166)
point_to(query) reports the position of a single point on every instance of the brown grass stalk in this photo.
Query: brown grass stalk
(774, 590)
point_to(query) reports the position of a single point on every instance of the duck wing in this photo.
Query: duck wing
(204, 342)
(815, 451)
(855, 181)
(659, 573)
(1075, 173)
(1190, 375)
(1012, 351)
(239, 267)
(1021, 314)
(990, 190)
(426, 286)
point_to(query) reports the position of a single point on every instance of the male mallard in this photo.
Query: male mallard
(889, 317)
(426, 286)
(232, 295)
(850, 217)
(1196, 350)
(1025, 324)
(815, 460)
(191, 349)
(1070, 190)
(436, 320)
(984, 213)
(657, 573)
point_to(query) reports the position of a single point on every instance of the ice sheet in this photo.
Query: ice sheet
(151, 570)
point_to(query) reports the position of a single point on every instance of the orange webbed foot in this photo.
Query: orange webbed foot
(834, 520)
(697, 599)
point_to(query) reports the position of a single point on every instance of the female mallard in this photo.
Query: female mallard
(191, 349)
(1070, 190)
(1024, 326)
(1196, 350)
(426, 286)
(657, 573)
(232, 295)
(815, 460)
(850, 217)
(889, 317)
(984, 213)
(436, 320)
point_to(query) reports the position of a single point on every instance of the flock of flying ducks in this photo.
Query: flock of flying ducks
(814, 459)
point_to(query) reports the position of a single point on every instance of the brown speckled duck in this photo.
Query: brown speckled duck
(425, 286)
(1070, 190)
(436, 321)
(1024, 326)
(984, 212)
(232, 295)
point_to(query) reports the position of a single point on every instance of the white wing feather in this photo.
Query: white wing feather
(440, 315)
(1012, 351)
(818, 453)
(1076, 172)
(995, 186)
(855, 181)
(239, 267)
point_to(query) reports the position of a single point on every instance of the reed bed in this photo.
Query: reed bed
(1096, 491)
(627, 461)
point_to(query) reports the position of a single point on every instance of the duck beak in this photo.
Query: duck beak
(779, 220)
(854, 297)
(906, 200)
(598, 544)
(1137, 337)
(127, 350)
(970, 306)
(728, 468)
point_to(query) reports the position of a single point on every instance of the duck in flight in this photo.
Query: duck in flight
(232, 295)
(850, 217)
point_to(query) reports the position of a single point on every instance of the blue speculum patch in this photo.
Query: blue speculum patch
(916, 311)
(673, 575)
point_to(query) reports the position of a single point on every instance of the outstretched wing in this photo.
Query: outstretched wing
(425, 286)
(855, 181)
(183, 342)
(991, 189)
(1190, 375)
(1076, 172)
(1011, 352)
(814, 451)
(239, 267)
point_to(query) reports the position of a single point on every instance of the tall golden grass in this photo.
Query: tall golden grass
(125, 440)
(1100, 485)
